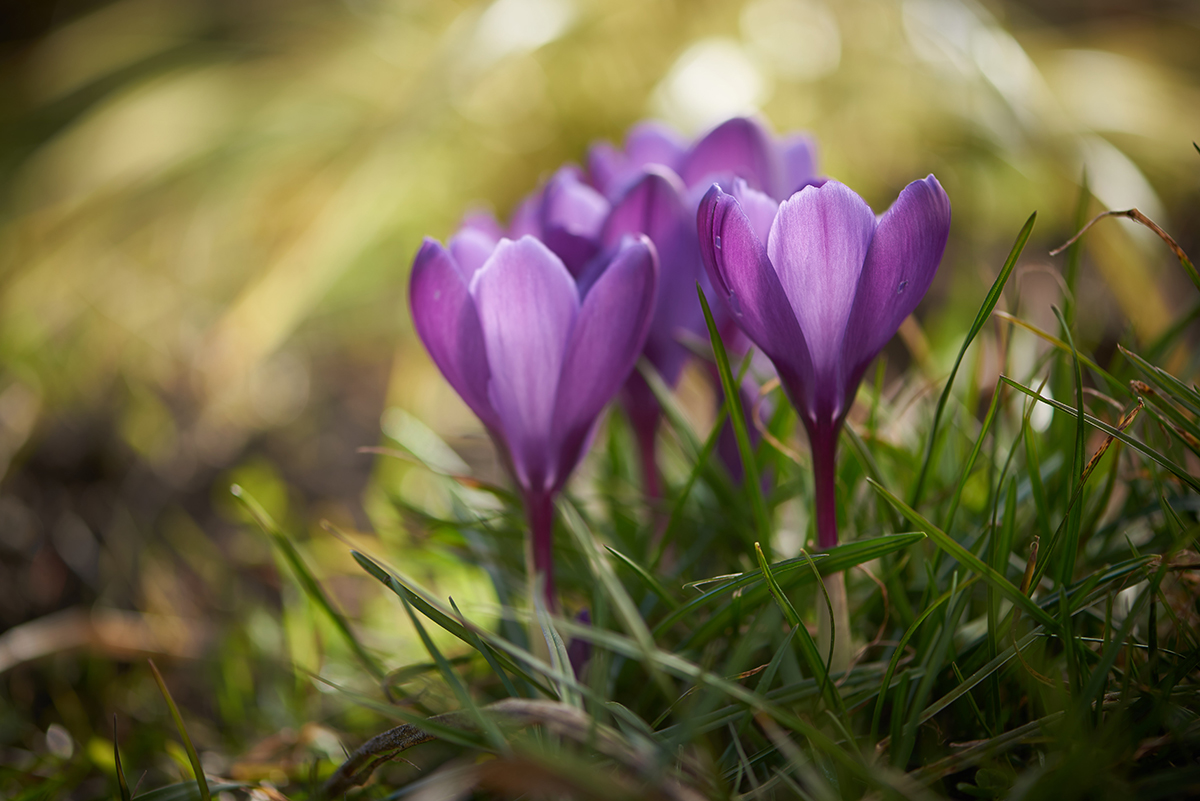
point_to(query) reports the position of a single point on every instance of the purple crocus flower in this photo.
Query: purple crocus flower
(533, 354)
(820, 285)
(653, 185)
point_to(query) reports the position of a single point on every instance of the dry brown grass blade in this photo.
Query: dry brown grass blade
(1138, 217)
(113, 632)
(561, 719)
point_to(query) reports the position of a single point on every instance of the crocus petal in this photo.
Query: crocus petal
(470, 248)
(653, 206)
(739, 147)
(741, 273)
(607, 168)
(572, 215)
(604, 345)
(817, 245)
(657, 206)
(649, 143)
(799, 156)
(527, 304)
(484, 221)
(444, 315)
(904, 255)
(527, 217)
(654, 143)
(759, 208)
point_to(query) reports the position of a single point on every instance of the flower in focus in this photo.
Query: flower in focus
(820, 285)
(534, 354)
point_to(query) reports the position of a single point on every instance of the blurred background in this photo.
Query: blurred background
(208, 209)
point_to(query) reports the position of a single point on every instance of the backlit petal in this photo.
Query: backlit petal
(759, 208)
(817, 246)
(445, 318)
(799, 154)
(741, 148)
(609, 332)
(657, 206)
(572, 215)
(527, 304)
(470, 248)
(900, 265)
(653, 142)
(741, 273)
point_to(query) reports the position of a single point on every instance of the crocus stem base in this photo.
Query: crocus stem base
(539, 508)
(823, 440)
(835, 626)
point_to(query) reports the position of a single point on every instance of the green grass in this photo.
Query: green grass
(1030, 632)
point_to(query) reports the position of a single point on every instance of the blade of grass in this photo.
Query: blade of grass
(441, 730)
(308, 582)
(968, 559)
(1075, 513)
(1113, 382)
(977, 752)
(768, 675)
(1167, 383)
(1167, 416)
(671, 408)
(737, 419)
(1142, 448)
(193, 757)
(790, 573)
(122, 786)
(869, 467)
(989, 303)
(808, 648)
(1036, 487)
(700, 466)
(683, 669)
(486, 724)
(488, 653)
(970, 463)
(1138, 217)
(1108, 656)
(935, 658)
(999, 547)
(652, 584)
(627, 610)
(897, 714)
(560, 660)
(443, 620)
(966, 685)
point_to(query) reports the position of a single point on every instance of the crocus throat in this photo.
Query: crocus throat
(539, 507)
(823, 439)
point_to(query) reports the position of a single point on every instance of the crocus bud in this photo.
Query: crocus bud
(533, 356)
(821, 285)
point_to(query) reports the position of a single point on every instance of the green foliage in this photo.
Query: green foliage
(1033, 628)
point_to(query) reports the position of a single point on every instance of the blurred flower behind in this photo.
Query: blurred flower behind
(208, 209)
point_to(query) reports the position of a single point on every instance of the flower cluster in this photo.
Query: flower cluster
(538, 325)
